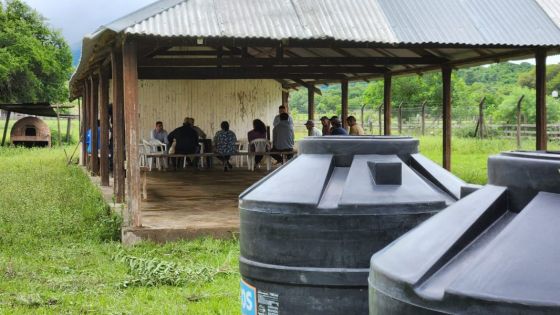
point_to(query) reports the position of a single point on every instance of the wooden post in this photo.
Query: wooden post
(344, 102)
(387, 103)
(518, 134)
(59, 138)
(6, 127)
(480, 124)
(379, 115)
(118, 125)
(540, 86)
(400, 118)
(68, 128)
(94, 110)
(446, 76)
(85, 124)
(104, 127)
(130, 87)
(285, 98)
(362, 116)
(423, 118)
(311, 102)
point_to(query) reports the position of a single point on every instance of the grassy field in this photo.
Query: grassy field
(59, 249)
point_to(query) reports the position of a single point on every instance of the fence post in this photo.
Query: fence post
(68, 129)
(400, 118)
(518, 135)
(480, 122)
(423, 121)
(379, 111)
(362, 117)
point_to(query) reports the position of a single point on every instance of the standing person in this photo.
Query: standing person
(353, 128)
(186, 140)
(312, 131)
(283, 140)
(282, 110)
(326, 123)
(337, 129)
(158, 133)
(225, 146)
(258, 132)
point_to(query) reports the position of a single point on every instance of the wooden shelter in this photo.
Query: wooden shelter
(181, 47)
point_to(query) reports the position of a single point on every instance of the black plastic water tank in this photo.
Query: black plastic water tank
(309, 229)
(495, 251)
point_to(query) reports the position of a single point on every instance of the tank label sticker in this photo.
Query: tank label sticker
(248, 299)
(268, 303)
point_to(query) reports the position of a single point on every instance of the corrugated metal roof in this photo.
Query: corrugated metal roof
(473, 22)
(441, 22)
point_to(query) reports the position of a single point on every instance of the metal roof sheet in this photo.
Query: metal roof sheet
(552, 8)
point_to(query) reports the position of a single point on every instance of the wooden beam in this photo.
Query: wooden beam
(84, 124)
(94, 114)
(540, 86)
(118, 125)
(228, 73)
(6, 127)
(130, 87)
(104, 127)
(308, 85)
(446, 77)
(344, 101)
(292, 61)
(285, 97)
(310, 103)
(387, 104)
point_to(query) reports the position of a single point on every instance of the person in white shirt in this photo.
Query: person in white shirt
(312, 131)
(158, 133)
(282, 109)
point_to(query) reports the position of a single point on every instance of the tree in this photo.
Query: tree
(35, 61)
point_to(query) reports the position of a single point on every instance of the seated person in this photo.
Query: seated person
(186, 139)
(353, 128)
(283, 138)
(326, 123)
(158, 133)
(282, 109)
(225, 145)
(311, 130)
(331, 121)
(258, 132)
(337, 129)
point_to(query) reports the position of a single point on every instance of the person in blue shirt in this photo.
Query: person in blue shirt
(88, 138)
(337, 129)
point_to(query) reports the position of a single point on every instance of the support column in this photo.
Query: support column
(540, 86)
(130, 87)
(311, 102)
(285, 97)
(387, 104)
(94, 114)
(6, 127)
(344, 102)
(85, 124)
(446, 76)
(104, 127)
(118, 125)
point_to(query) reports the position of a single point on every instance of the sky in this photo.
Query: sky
(76, 18)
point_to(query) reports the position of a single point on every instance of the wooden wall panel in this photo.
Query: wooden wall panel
(209, 102)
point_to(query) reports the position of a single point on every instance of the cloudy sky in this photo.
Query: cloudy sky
(76, 18)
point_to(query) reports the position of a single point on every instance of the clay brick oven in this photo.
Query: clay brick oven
(31, 132)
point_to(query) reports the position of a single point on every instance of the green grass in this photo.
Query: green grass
(59, 252)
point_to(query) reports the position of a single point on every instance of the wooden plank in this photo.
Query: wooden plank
(104, 127)
(387, 104)
(446, 77)
(118, 125)
(311, 103)
(84, 124)
(69, 128)
(234, 73)
(540, 86)
(518, 127)
(344, 102)
(292, 61)
(94, 116)
(131, 110)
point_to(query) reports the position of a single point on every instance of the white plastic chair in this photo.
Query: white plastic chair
(154, 146)
(242, 150)
(261, 146)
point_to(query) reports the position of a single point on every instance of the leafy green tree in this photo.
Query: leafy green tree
(35, 61)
